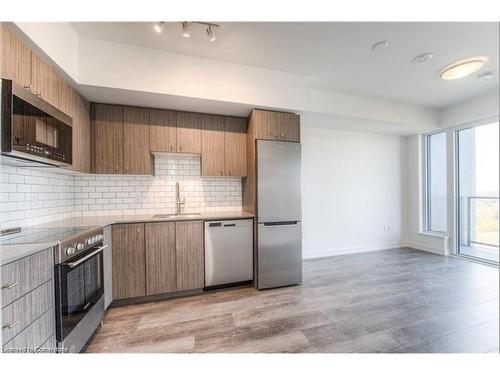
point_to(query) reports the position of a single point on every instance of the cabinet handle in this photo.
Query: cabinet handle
(11, 325)
(28, 87)
(282, 135)
(10, 286)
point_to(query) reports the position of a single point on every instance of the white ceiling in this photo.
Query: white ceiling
(336, 56)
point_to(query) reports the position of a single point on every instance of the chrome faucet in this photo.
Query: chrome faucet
(178, 201)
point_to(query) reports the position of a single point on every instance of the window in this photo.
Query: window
(435, 178)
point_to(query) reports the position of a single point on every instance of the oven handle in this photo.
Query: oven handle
(81, 260)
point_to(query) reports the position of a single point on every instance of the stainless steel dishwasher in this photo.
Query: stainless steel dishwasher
(228, 252)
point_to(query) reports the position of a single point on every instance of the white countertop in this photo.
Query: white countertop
(10, 253)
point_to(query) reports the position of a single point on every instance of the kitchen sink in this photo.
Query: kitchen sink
(173, 216)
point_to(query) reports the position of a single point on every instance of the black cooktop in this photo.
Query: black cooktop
(38, 235)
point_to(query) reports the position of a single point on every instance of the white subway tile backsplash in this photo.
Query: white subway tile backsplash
(35, 196)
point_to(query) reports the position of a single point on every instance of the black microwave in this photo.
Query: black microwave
(33, 129)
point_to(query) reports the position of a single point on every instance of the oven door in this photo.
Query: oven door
(79, 286)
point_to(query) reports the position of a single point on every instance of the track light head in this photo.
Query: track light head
(159, 27)
(210, 34)
(186, 32)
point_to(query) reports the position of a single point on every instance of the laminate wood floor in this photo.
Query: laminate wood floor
(398, 300)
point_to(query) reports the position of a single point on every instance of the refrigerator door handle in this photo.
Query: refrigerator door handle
(280, 223)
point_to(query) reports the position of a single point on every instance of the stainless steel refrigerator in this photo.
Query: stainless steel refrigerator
(279, 229)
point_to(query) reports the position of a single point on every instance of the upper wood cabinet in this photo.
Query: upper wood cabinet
(79, 110)
(107, 138)
(163, 130)
(212, 153)
(235, 138)
(223, 146)
(136, 154)
(190, 255)
(277, 126)
(161, 276)
(16, 59)
(129, 261)
(189, 132)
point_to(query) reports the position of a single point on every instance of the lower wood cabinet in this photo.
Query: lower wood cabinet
(157, 258)
(190, 255)
(129, 261)
(160, 258)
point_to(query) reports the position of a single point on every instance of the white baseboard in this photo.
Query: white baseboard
(419, 246)
(322, 253)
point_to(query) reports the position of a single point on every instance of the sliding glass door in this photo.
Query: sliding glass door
(478, 203)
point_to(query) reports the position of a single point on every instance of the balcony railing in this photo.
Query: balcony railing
(487, 220)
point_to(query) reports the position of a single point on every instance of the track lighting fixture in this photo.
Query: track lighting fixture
(186, 27)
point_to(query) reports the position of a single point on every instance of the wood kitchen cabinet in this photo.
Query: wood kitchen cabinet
(107, 138)
(129, 261)
(136, 154)
(163, 130)
(212, 151)
(16, 59)
(189, 132)
(190, 259)
(223, 146)
(235, 163)
(160, 258)
(277, 126)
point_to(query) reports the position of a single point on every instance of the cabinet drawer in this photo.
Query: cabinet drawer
(22, 312)
(24, 275)
(33, 336)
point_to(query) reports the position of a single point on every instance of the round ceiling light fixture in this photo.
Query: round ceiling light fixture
(422, 58)
(463, 68)
(383, 44)
(159, 27)
(486, 76)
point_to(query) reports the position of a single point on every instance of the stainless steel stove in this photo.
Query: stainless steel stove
(78, 279)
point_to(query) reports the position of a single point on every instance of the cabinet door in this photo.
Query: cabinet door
(163, 130)
(16, 59)
(289, 124)
(44, 80)
(235, 149)
(160, 258)
(136, 154)
(107, 138)
(129, 261)
(212, 154)
(266, 125)
(79, 111)
(189, 132)
(190, 255)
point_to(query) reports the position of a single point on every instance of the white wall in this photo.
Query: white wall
(351, 191)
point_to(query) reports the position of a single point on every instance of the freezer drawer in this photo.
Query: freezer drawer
(278, 181)
(228, 252)
(279, 254)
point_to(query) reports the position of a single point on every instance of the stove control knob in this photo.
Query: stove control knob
(80, 246)
(70, 250)
(101, 237)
